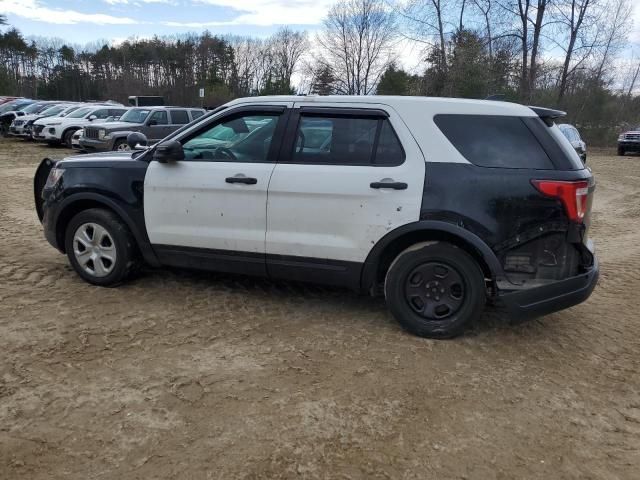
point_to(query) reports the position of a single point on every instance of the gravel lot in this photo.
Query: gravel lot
(203, 376)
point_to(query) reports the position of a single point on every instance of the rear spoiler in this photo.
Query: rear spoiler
(548, 114)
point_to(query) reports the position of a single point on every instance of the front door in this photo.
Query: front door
(209, 210)
(350, 176)
(157, 126)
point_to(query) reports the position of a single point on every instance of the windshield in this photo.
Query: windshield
(23, 106)
(80, 113)
(34, 108)
(69, 110)
(51, 111)
(135, 115)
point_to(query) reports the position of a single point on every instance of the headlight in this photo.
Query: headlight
(54, 124)
(102, 134)
(621, 137)
(54, 176)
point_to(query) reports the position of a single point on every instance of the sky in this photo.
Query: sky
(86, 21)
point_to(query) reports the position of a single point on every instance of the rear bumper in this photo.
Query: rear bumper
(538, 301)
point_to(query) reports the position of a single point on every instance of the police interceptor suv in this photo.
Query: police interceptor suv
(437, 204)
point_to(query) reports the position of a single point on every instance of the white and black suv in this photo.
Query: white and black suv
(439, 204)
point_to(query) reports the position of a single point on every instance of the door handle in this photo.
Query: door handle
(392, 185)
(245, 180)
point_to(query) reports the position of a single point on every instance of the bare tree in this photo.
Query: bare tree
(573, 17)
(287, 47)
(614, 30)
(356, 43)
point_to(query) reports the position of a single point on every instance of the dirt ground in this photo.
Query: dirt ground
(202, 376)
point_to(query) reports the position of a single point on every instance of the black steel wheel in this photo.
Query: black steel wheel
(435, 289)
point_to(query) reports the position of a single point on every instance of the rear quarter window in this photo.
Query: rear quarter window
(494, 141)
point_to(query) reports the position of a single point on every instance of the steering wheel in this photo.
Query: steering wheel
(225, 152)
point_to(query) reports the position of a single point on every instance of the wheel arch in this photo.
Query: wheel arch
(387, 249)
(67, 129)
(77, 203)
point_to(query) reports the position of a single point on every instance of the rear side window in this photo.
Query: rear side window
(494, 141)
(346, 140)
(196, 114)
(179, 117)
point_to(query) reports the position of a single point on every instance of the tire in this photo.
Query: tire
(118, 245)
(621, 152)
(441, 270)
(66, 137)
(121, 145)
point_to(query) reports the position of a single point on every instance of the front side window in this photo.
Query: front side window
(196, 114)
(237, 138)
(101, 114)
(494, 141)
(159, 117)
(346, 140)
(179, 117)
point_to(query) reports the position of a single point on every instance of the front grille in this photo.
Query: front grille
(635, 137)
(38, 129)
(17, 123)
(91, 133)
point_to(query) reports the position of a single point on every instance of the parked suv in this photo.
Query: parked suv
(154, 122)
(575, 140)
(438, 204)
(21, 126)
(58, 130)
(629, 141)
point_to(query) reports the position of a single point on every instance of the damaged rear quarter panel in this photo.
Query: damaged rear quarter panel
(502, 207)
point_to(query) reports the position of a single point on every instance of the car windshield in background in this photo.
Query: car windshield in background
(34, 108)
(79, 113)
(135, 115)
(68, 111)
(51, 111)
(22, 107)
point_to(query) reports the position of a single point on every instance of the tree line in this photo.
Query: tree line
(568, 54)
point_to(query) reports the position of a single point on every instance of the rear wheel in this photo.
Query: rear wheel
(435, 289)
(621, 151)
(100, 247)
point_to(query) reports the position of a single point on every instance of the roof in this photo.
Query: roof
(429, 105)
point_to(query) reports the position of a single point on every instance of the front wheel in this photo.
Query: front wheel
(100, 247)
(121, 146)
(435, 289)
(67, 138)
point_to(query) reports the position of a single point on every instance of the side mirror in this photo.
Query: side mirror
(136, 138)
(92, 117)
(152, 122)
(169, 151)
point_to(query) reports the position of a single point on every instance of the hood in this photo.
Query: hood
(96, 160)
(116, 126)
(48, 120)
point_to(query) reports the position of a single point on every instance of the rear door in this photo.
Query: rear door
(348, 174)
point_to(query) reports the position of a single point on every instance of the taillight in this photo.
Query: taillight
(573, 195)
